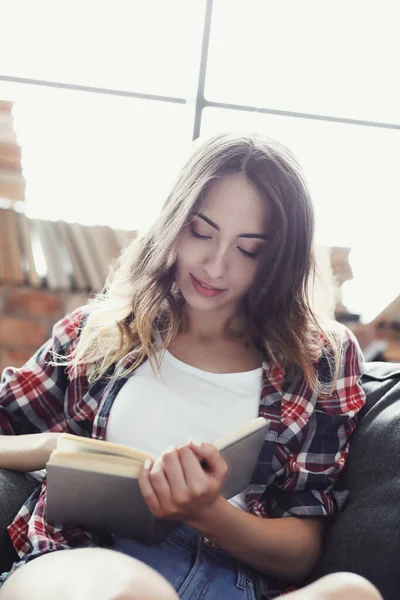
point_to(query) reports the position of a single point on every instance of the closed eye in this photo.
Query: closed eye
(197, 235)
(249, 254)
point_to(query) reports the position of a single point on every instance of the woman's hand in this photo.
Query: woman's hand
(176, 486)
(48, 443)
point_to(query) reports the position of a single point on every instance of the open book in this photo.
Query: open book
(93, 483)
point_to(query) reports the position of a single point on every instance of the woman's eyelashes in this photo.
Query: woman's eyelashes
(195, 234)
(252, 255)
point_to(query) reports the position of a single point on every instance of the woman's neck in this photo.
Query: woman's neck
(209, 326)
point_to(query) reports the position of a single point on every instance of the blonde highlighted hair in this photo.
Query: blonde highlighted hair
(140, 295)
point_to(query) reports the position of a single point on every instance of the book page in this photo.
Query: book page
(74, 443)
(93, 462)
(68, 443)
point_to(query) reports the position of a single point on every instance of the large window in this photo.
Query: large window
(109, 95)
(328, 58)
(97, 158)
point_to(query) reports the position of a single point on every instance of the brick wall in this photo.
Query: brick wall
(26, 320)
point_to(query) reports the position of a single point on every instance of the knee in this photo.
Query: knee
(95, 573)
(348, 586)
(128, 579)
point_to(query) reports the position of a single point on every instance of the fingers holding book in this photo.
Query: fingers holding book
(177, 486)
(187, 484)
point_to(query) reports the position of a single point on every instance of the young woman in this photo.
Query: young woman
(213, 304)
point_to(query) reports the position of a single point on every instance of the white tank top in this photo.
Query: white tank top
(152, 412)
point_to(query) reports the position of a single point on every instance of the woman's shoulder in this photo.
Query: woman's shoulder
(341, 332)
(338, 343)
(66, 331)
(332, 332)
(347, 397)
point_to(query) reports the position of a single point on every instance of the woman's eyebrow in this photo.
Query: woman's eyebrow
(261, 236)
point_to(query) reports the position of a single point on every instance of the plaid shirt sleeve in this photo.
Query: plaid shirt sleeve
(313, 444)
(35, 398)
(32, 397)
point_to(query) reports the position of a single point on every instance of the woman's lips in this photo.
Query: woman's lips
(203, 290)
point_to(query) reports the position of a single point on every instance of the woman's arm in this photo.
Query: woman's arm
(287, 548)
(288, 544)
(33, 400)
(26, 452)
(176, 486)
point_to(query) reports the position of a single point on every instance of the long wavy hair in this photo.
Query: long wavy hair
(140, 294)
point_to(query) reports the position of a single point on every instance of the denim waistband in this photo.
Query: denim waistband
(188, 538)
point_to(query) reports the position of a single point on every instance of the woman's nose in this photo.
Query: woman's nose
(216, 264)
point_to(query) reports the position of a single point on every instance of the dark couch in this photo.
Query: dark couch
(365, 537)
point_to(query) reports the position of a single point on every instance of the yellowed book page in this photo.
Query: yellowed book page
(74, 443)
(99, 463)
(68, 443)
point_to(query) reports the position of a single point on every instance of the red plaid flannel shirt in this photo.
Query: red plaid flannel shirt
(304, 452)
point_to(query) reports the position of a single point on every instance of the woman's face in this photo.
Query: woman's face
(220, 247)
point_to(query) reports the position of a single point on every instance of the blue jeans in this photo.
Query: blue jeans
(195, 570)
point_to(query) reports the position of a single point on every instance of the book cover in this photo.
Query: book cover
(93, 483)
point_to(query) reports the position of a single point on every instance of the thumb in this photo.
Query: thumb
(210, 459)
(202, 450)
(198, 450)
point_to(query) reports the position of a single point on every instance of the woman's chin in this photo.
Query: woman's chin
(203, 303)
(195, 300)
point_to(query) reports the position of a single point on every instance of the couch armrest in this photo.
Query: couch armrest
(364, 538)
(15, 488)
